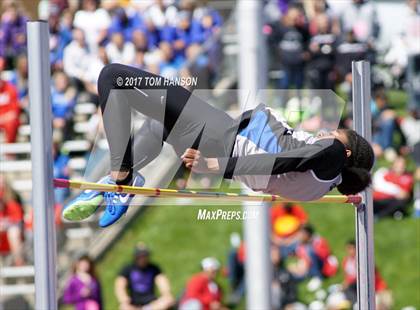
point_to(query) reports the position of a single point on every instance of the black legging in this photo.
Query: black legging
(173, 115)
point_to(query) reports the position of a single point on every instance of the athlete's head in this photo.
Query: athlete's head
(360, 158)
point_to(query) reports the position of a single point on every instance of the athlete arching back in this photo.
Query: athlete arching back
(257, 149)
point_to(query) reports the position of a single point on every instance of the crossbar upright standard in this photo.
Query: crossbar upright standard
(362, 123)
(42, 165)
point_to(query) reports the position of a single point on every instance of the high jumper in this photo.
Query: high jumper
(257, 148)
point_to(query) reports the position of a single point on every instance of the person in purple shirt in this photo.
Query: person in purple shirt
(83, 289)
(142, 284)
(12, 32)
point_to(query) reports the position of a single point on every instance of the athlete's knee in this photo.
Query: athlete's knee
(108, 74)
(107, 81)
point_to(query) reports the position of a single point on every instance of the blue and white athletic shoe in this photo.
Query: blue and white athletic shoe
(86, 203)
(117, 203)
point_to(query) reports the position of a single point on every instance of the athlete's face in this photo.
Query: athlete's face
(339, 134)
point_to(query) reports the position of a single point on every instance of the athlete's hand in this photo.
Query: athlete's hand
(197, 163)
(193, 160)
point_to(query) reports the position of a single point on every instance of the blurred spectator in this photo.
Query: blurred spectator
(161, 15)
(63, 100)
(410, 126)
(322, 47)
(169, 62)
(94, 21)
(315, 8)
(290, 38)
(383, 294)
(314, 256)
(140, 279)
(284, 287)
(406, 44)
(208, 16)
(119, 51)
(94, 68)
(392, 189)
(61, 171)
(236, 271)
(76, 58)
(9, 110)
(207, 22)
(60, 37)
(126, 23)
(383, 123)
(360, 17)
(180, 36)
(139, 60)
(19, 78)
(202, 291)
(152, 32)
(349, 49)
(12, 31)
(141, 42)
(11, 223)
(286, 220)
(197, 65)
(83, 289)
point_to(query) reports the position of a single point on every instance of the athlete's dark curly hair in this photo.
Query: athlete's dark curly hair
(356, 171)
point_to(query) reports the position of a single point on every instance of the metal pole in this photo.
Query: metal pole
(252, 75)
(42, 165)
(362, 123)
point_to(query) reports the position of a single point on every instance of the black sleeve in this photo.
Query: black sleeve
(326, 158)
(156, 270)
(125, 272)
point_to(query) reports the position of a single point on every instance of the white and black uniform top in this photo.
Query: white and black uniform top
(270, 156)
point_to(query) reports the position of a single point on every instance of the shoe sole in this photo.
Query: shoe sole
(81, 210)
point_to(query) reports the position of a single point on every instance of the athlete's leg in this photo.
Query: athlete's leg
(148, 142)
(162, 103)
(147, 145)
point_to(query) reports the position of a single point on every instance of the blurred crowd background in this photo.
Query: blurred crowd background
(311, 44)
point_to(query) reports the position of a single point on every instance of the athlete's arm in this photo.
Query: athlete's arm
(326, 158)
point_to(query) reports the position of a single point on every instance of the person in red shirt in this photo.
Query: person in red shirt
(383, 294)
(11, 218)
(202, 291)
(314, 257)
(286, 220)
(9, 110)
(392, 189)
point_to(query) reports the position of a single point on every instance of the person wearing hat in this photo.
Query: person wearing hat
(142, 284)
(202, 292)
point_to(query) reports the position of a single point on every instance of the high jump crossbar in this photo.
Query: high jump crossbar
(176, 193)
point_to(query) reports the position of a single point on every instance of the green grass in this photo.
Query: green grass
(179, 242)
